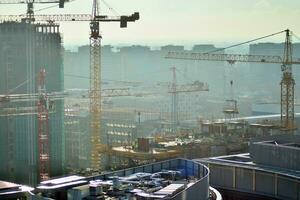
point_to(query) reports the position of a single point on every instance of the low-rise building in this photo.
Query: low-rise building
(269, 171)
(176, 179)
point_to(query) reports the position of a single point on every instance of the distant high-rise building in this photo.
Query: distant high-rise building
(25, 49)
(172, 48)
(204, 48)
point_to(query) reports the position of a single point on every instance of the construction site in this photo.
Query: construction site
(141, 122)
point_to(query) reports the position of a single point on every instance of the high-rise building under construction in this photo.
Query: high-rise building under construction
(25, 49)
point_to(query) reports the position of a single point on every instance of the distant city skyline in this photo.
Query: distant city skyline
(180, 22)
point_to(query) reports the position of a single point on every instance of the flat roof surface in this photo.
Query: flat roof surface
(8, 186)
(245, 161)
(170, 189)
(8, 190)
(278, 143)
(62, 182)
(154, 151)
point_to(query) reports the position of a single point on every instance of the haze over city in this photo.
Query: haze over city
(148, 100)
(180, 22)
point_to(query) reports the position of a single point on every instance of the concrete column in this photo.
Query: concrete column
(233, 178)
(275, 184)
(253, 181)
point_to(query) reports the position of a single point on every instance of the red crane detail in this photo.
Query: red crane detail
(43, 128)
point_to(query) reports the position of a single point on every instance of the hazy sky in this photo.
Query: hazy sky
(182, 21)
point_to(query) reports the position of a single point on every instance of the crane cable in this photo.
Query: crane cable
(188, 78)
(110, 8)
(21, 84)
(108, 80)
(45, 8)
(297, 37)
(242, 43)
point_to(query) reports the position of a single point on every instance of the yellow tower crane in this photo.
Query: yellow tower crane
(95, 63)
(287, 83)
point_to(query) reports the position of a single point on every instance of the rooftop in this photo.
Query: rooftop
(244, 160)
(178, 178)
(11, 190)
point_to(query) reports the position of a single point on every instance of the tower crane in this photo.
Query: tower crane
(95, 62)
(30, 11)
(175, 89)
(174, 110)
(43, 128)
(287, 83)
(95, 87)
(45, 106)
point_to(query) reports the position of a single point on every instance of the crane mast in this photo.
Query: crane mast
(174, 110)
(43, 128)
(287, 87)
(95, 88)
(175, 89)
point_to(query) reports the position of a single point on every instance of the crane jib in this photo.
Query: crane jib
(230, 58)
(60, 2)
(73, 17)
